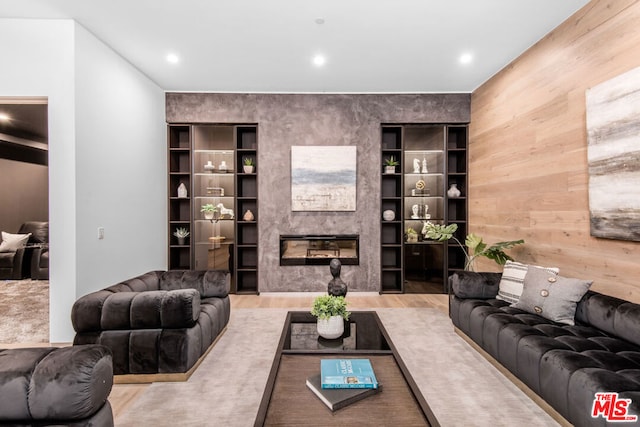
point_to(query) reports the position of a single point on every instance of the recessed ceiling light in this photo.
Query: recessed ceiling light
(4, 117)
(319, 20)
(319, 60)
(173, 58)
(466, 58)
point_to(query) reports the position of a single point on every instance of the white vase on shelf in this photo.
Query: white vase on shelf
(453, 191)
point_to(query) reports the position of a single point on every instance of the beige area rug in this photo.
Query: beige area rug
(461, 387)
(24, 311)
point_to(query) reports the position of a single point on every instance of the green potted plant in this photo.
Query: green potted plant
(331, 312)
(474, 247)
(209, 211)
(390, 165)
(412, 235)
(181, 233)
(248, 164)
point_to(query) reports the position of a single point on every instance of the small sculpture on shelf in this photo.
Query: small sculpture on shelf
(336, 286)
(416, 165)
(223, 167)
(224, 211)
(209, 167)
(182, 191)
(248, 215)
(424, 165)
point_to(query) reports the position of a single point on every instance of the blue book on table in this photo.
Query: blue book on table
(347, 373)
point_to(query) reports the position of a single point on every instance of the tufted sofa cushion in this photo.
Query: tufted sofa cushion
(564, 364)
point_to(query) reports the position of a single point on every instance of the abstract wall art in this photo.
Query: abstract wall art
(323, 178)
(613, 153)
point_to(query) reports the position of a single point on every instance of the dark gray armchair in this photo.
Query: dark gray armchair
(16, 265)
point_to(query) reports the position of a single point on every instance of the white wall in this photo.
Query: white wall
(97, 146)
(120, 167)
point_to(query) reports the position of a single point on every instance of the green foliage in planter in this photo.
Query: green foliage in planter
(208, 208)
(391, 161)
(476, 247)
(326, 306)
(248, 161)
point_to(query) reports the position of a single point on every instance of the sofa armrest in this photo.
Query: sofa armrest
(69, 383)
(469, 284)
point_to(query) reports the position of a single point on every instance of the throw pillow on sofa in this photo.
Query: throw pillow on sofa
(551, 296)
(13, 242)
(512, 280)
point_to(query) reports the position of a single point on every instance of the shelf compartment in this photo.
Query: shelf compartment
(179, 137)
(179, 209)
(247, 185)
(247, 137)
(247, 281)
(391, 233)
(391, 281)
(423, 137)
(179, 161)
(434, 184)
(435, 208)
(391, 257)
(456, 136)
(179, 258)
(247, 257)
(457, 162)
(213, 137)
(247, 233)
(391, 185)
(391, 138)
(214, 185)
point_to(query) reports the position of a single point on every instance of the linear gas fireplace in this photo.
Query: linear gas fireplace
(319, 249)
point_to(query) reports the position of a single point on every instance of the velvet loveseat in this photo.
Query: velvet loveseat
(161, 322)
(50, 386)
(564, 363)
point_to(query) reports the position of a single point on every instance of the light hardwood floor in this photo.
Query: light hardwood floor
(124, 395)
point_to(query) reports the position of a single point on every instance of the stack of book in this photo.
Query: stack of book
(342, 382)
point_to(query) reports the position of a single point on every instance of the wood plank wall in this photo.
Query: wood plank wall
(528, 149)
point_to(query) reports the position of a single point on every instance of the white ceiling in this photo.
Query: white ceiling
(268, 45)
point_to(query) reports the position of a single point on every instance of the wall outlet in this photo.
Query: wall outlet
(100, 233)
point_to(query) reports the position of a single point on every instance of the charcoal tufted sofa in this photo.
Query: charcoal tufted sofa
(161, 322)
(56, 386)
(565, 365)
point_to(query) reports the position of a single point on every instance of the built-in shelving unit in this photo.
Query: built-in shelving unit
(431, 157)
(209, 160)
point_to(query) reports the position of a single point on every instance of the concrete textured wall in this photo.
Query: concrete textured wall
(285, 120)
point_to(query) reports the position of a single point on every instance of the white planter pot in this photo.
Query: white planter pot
(389, 169)
(331, 328)
(208, 215)
(247, 169)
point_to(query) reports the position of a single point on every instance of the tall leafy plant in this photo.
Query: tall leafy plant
(474, 246)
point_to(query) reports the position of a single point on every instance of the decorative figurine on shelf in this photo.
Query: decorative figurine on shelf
(182, 191)
(248, 215)
(425, 213)
(223, 166)
(224, 211)
(336, 286)
(208, 167)
(416, 166)
(424, 165)
(415, 212)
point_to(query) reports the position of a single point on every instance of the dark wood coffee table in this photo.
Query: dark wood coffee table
(288, 402)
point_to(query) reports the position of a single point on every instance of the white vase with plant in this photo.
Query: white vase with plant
(248, 164)
(181, 234)
(209, 211)
(390, 165)
(331, 312)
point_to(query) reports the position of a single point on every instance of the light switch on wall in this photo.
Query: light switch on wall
(100, 233)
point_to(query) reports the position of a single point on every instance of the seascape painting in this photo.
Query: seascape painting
(613, 134)
(323, 178)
